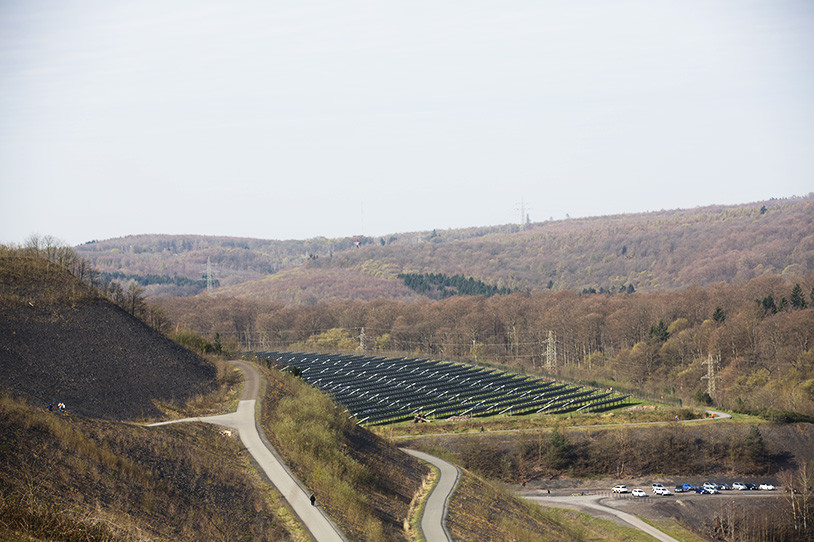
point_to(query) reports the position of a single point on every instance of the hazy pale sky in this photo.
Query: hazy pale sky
(293, 119)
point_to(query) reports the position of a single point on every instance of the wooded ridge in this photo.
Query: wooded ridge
(663, 250)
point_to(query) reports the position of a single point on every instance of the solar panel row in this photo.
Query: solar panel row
(378, 390)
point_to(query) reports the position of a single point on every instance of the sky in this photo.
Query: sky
(296, 119)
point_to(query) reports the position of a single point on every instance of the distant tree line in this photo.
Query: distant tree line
(629, 289)
(445, 286)
(657, 343)
(147, 280)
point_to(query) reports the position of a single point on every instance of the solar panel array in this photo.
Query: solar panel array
(379, 390)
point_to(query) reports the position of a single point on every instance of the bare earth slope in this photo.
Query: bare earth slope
(83, 351)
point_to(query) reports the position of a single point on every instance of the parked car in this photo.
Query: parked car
(766, 487)
(663, 491)
(658, 487)
(639, 493)
(750, 486)
(740, 486)
(619, 489)
(723, 487)
(710, 487)
(683, 488)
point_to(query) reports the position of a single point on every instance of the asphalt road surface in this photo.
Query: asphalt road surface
(434, 520)
(315, 520)
(591, 505)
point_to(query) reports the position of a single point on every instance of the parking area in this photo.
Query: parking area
(659, 489)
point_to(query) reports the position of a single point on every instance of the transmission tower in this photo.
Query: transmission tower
(362, 346)
(711, 376)
(210, 281)
(551, 351)
(524, 217)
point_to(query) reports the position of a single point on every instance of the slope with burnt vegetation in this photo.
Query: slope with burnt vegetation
(74, 476)
(63, 342)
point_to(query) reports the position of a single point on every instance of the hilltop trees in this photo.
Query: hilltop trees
(130, 296)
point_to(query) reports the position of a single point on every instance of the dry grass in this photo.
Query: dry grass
(532, 422)
(68, 478)
(365, 483)
(481, 511)
(413, 524)
(30, 280)
(223, 398)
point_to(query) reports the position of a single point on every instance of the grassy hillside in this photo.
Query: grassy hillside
(480, 510)
(364, 482)
(66, 478)
(651, 251)
(62, 342)
(77, 477)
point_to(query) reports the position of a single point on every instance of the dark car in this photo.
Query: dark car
(700, 490)
(684, 488)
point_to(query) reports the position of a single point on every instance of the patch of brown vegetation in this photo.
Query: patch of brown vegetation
(627, 452)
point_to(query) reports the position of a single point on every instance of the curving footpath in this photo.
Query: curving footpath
(591, 505)
(434, 519)
(315, 520)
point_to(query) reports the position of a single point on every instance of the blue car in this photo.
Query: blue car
(700, 490)
(682, 488)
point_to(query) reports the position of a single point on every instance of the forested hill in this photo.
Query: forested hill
(662, 250)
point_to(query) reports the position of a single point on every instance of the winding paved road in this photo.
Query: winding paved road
(316, 521)
(591, 505)
(434, 520)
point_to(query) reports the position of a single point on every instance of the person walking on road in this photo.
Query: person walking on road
(313, 500)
